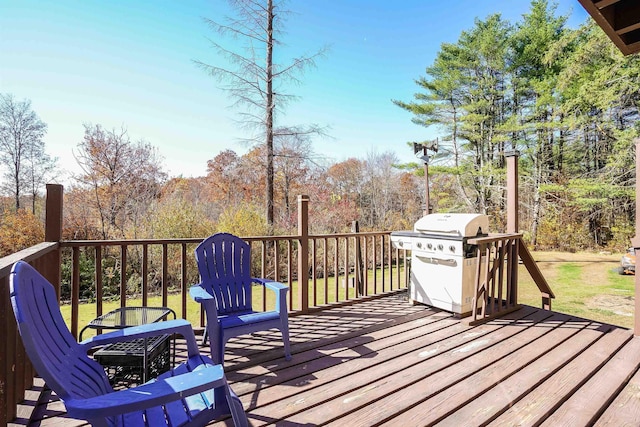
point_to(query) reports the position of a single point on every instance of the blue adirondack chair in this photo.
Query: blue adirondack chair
(194, 393)
(224, 263)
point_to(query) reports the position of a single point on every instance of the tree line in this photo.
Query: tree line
(565, 98)
(122, 192)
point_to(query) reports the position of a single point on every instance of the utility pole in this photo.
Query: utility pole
(427, 210)
(635, 242)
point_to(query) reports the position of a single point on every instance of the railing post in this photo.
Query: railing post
(635, 242)
(512, 191)
(514, 256)
(303, 253)
(358, 267)
(53, 232)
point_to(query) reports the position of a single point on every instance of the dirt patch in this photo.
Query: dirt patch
(594, 267)
(596, 273)
(618, 304)
(575, 257)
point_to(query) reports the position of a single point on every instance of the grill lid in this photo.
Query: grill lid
(455, 225)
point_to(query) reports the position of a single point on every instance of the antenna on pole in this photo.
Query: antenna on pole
(420, 151)
(422, 147)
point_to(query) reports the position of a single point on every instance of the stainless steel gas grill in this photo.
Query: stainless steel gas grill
(443, 264)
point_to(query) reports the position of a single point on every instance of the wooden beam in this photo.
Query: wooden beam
(512, 192)
(635, 242)
(623, 18)
(605, 3)
(53, 219)
(534, 271)
(53, 233)
(634, 47)
(607, 14)
(303, 254)
(628, 28)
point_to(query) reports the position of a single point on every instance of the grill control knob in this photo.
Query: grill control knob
(429, 246)
(440, 247)
(419, 245)
(452, 248)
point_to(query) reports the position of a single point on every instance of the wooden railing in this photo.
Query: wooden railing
(496, 289)
(16, 372)
(496, 284)
(319, 269)
(339, 268)
(536, 275)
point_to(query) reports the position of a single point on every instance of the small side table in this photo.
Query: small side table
(124, 317)
(148, 353)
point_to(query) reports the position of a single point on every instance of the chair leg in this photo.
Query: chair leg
(205, 335)
(220, 353)
(227, 402)
(216, 346)
(237, 411)
(285, 339)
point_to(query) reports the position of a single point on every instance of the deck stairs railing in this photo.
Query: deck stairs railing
(496, 279)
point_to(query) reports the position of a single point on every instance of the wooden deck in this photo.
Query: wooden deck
(386, 362)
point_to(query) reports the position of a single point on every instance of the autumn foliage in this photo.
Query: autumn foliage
(565, 99)
(19, 230)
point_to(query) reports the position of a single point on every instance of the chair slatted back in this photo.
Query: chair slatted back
(224, 264)
(54, 352)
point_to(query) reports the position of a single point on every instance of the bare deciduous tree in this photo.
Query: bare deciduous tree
(294, 155)
(22, 149)
(124, 177)
(40, 169)
(252, 78)
(380, 189)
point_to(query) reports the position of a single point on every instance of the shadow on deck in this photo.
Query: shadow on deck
(387, 362)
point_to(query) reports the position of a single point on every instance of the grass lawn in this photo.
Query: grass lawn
(585, 284)
(87, 312)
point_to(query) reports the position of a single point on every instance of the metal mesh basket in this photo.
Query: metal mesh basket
(124, 361)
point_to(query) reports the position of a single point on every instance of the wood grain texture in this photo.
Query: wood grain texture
(387, 362)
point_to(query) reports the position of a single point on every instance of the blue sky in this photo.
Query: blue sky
(130, 63)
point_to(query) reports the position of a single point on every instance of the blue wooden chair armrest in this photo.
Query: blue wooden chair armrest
(199, 294)
(279, 288)
(178, 326)
(150, 394)
(270, 284)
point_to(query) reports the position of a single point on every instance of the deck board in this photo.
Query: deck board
(625, 409)
(472, 398)
(489, 391)
(576, 363)
(387, 362)
(351, 358)
(443, 370)
(601, 387)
